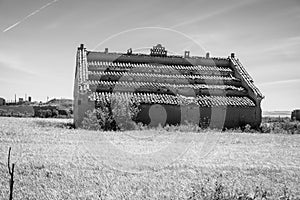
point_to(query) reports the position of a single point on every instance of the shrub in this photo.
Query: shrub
(44, 113)
(281, 127)
(124, 113)
(91, 122)
(105, 117)
(117, 114)
(247, 128)
(63, 112)
(55, 113)
(265, 128)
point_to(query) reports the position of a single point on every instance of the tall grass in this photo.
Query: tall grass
(53, 164)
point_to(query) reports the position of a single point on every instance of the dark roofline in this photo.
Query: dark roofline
(146, 58)
(148, 55)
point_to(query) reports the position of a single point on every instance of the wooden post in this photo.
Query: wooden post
(11, 172)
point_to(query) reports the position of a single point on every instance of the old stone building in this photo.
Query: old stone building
(209, 91)
(295, 115)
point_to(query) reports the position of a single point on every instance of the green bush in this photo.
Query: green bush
(55, 113)
(91, 122)
(44, 113)
(281, 127)
(265, 128)
(247, 128)
(124, 113)
(117, 114)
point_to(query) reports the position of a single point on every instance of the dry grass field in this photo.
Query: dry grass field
(54, 161)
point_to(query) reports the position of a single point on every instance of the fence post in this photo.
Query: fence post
(11, 172)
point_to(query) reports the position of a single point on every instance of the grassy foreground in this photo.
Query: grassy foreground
(55, 162)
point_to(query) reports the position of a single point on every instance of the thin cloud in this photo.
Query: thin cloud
(211, 14)
(144, 28)
(28, 16)
(7, 67)
(288, 45)
(279, 82)
(13, 62)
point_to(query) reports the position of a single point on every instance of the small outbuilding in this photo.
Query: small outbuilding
(296, 115)
(2, 101)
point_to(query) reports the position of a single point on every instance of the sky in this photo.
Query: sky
(39, 39)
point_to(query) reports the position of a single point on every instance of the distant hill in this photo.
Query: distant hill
(276, 113)
(18, 111)
(61, 103)
(52, 108)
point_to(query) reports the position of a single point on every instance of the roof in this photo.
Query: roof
(160, 78)
(150, 98)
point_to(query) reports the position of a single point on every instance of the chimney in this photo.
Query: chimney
(186, 54)
(106, 50)
(207, 55)
(129, 51)
(232, 55)
(81, 47)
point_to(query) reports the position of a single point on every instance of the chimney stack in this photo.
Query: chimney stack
(106, 50)
(186, 54)
(129, 51)
(81, 47)
(232, 55)
(207, 55)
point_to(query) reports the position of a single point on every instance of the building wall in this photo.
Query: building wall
(257, 110)
(81, 106)
(2, 101)
(80, 94)
(296, 115)
(213, 117)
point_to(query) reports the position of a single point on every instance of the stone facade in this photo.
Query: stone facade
(2, 101)
(296, 115)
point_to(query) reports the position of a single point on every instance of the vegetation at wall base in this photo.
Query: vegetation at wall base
(118, 114)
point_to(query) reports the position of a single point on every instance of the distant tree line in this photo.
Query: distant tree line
(51, 112)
